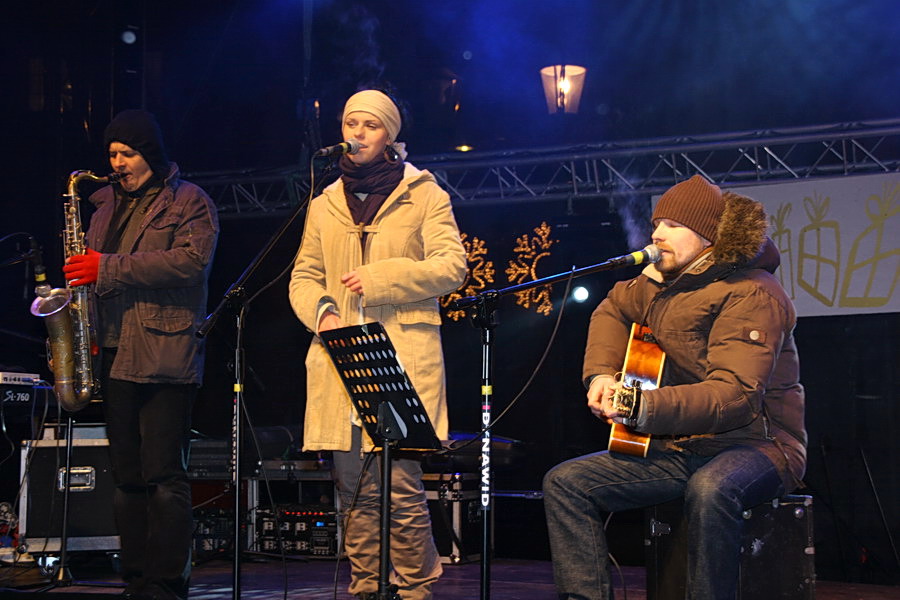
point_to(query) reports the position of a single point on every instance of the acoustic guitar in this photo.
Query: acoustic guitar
(644, 361)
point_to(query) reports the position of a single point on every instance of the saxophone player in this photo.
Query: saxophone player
(149, 252)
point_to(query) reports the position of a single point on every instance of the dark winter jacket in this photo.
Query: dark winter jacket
(731, 373)
(161, 282)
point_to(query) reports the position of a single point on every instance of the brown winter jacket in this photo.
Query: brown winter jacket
(726, 325)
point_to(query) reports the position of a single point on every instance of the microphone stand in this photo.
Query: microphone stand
(391, 434)
(63, 577)
(484, 305)
(235, 300)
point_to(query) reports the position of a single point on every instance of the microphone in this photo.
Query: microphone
(348, 147)
(42, 287)
(650, 254)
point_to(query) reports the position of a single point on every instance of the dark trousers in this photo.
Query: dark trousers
(148, 426)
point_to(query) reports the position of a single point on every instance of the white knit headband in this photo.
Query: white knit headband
(378, 104)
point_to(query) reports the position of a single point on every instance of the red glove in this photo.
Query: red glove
(82, 269)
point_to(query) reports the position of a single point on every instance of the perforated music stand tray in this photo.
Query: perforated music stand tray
(367, 362)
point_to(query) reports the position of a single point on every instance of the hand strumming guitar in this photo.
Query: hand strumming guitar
(600, 395)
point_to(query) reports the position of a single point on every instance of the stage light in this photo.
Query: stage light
(464, 148)
(128, 36)
(580, 294)
(563, 85)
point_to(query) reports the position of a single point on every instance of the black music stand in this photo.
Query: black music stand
(389, 408)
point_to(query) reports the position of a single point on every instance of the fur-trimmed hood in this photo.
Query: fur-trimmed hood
(741, 239)
(741, 244)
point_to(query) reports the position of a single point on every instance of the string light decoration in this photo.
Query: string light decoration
(530, 249)
(480, 273)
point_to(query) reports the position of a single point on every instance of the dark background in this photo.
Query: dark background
(241, 85)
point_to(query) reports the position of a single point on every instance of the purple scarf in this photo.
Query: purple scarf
(377, 179)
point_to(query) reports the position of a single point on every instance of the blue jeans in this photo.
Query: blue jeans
(716, 490)
(148, 426)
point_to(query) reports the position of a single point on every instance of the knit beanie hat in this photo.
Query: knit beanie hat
(695, 203)
(139, 129)
(378, 104)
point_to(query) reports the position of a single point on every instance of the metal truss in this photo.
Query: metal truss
(605, 170)
(247, 194)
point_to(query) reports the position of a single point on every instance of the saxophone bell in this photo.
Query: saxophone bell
(54, 309)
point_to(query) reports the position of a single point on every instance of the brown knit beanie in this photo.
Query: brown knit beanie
(695, 203)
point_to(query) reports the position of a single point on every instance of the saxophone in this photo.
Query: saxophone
(71, 344)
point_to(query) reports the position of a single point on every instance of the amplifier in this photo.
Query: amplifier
(777, 551)
(18, 389)
(211, 459)
(7, 378)
(213, 532)
(308, 530)
(213, 512)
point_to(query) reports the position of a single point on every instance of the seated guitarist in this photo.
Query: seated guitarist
(726, 423)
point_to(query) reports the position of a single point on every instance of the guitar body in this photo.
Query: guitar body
(643, 368)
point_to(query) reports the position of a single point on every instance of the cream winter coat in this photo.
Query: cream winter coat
(412, 255)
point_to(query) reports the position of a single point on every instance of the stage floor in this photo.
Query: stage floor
(262, 577)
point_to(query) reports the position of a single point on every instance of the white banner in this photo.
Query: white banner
(839, 241)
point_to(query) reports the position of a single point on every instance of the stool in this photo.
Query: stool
(777, 552)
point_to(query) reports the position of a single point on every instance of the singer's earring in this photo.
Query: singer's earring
(391, 155)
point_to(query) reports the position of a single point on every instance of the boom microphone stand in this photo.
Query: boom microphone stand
(235, 300)
(484, 305)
